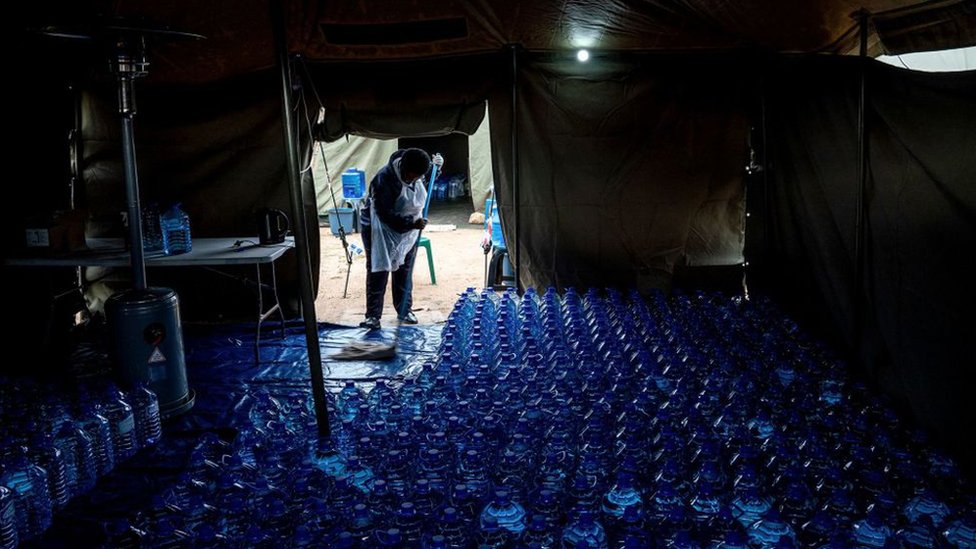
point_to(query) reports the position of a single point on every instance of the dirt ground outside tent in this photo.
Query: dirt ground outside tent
(459, 263)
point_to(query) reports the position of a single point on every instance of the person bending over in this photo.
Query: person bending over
(391, 219)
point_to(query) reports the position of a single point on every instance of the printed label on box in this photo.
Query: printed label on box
(38, 238)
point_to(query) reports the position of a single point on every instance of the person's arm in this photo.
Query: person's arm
(386, 190)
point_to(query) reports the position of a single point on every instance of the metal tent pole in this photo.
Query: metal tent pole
(765, 171)
(515, 169)
(298, 212)
(862, 174)
(75, 153)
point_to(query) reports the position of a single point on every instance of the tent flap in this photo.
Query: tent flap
(915, 339)
(391, 124)
(634, 168)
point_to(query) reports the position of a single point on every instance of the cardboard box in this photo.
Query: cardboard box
(62, 231)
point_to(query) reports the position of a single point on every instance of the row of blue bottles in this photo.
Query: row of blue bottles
(587, 419)
(166, 231)
(59, 440)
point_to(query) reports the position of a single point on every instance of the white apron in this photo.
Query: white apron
(390, 248)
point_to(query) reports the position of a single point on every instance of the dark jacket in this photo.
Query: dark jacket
(384, 189)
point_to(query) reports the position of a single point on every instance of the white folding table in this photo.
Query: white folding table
(207, 252)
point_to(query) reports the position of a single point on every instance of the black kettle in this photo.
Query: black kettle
(272, 226)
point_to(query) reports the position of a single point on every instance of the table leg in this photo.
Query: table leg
(274, 291)
(263, 314)
(257, 330)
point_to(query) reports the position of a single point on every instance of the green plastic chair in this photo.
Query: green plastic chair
(424, 242)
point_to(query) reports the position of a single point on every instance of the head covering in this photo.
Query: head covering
(414, 161)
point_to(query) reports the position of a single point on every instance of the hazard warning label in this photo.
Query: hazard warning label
(156, 356)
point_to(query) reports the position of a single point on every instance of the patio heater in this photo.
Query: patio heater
(144, 322)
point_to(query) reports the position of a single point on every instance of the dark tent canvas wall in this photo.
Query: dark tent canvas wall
(619, 172)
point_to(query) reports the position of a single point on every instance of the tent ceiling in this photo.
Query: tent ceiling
(239, 36)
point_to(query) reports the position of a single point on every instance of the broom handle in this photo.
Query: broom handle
(403, 301)
(430, 191)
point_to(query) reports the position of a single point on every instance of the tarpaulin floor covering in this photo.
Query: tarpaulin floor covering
(221, 369)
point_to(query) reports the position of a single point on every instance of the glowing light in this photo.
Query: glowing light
(582, 56)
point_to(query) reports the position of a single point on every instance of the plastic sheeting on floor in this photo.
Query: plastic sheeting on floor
(222, 371)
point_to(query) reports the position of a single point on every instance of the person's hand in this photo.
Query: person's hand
(420, 224)
(438, 160)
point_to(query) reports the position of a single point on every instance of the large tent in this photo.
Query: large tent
(621, 171)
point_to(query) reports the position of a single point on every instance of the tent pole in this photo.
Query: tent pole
(515, 167)
(75, 143)
(299, 226)
(765, 166)
(862, 172)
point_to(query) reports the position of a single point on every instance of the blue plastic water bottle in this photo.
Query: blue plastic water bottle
(154, 238)
(452, 528)
(43, 453)
(509, 514)
(926, 504)
(396, 470)
(96, 427)
(872, 531)
(145, 409)
(390, 537)
(771, 530)
(538, 532)
(349, 400)
(8, 519)
(750, 507)
(584, 532)
(119, 533)
(80, 468)
(474, 474)
(303, 537)
(706, 504)
(409, 523)
(921, 533)
(175, 224)
(464, 502)
(380, 399)
(206, 535)
(732, 540)
(382, 501)
(961, 532)
(29, 484)
(122, 423)
(490, 534)
(630, 530)
(621, 497)
(265, 408)
(361, 524)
